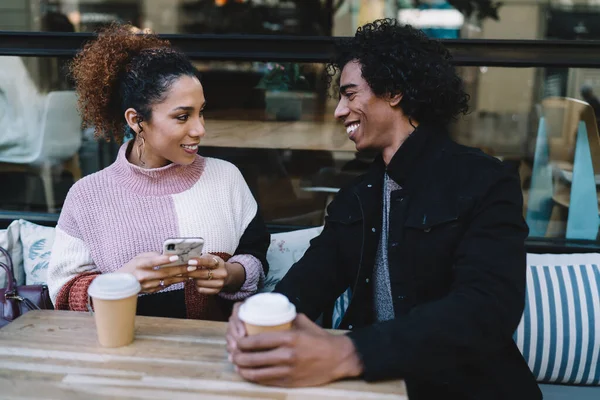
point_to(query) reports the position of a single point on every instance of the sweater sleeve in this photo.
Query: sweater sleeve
(70, 272)
(255, 277)
(251, 251)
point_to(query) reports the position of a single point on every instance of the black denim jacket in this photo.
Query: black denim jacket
(457, 270)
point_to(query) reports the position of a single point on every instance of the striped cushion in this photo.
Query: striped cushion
(340, 307)
(559, 333)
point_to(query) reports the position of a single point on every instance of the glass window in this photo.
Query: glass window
(275, 122)
(543, 122)
(450, 19)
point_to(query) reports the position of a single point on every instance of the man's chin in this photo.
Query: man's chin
(363, 147)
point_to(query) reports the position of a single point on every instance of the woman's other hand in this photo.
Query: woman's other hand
(213, 275)
(146, 268)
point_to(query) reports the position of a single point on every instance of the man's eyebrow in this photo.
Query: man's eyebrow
(346, 87)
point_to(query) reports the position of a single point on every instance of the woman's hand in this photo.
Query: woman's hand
(213, 275)
(146, 269)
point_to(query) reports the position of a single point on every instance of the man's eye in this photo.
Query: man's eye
(183, 117)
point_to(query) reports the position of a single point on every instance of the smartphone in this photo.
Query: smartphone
(185, 248)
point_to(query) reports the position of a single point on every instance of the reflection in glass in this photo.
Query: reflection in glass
(295, 156)
(438, 18)
(539, 122)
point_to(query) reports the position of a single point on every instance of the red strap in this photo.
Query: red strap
(202, 306)
(73, 295)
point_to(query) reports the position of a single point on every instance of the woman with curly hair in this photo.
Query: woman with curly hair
(428, 245)
(158, 188)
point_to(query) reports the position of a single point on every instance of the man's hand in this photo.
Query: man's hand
(235, 329)
(304, 356)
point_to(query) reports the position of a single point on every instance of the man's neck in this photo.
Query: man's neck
(401, 133)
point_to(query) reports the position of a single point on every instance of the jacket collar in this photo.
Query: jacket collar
(409, 156)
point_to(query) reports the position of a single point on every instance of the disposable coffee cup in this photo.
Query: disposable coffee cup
(114, 297)
(267, 312)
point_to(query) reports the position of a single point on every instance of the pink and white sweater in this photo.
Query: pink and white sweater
(113, 215)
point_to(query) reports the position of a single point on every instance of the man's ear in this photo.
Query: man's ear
(395, 99)
(132, 118)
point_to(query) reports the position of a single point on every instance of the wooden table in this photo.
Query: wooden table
(296, 135)
(54, 355)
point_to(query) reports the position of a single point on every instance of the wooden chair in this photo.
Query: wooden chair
(566, 164)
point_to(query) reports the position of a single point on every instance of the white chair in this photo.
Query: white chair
(58, 143)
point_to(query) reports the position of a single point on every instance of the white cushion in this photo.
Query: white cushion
(286, 248)
(9, 241)
(559, 333)
(37, 243)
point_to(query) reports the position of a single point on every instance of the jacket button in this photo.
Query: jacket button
(369, 185)
(395, 244)
(373, 230)
(350, 326)
(367, 280)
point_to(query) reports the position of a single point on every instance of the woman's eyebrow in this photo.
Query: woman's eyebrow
(183, 108)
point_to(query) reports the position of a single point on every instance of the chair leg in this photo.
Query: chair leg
(330, 197)
(557, 225)
(73, 167)
(46, 175)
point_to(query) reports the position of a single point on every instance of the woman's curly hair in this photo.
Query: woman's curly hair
(120, 70)
(399, 59)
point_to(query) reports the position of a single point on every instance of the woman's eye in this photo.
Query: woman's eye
(183, 117)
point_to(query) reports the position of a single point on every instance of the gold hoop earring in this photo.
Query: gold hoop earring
(140, 150)
(142, 143)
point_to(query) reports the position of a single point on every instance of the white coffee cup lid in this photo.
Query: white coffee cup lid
(267, 309)
(114, 286)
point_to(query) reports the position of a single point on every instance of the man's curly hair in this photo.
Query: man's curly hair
(399, 59)
(121, 69)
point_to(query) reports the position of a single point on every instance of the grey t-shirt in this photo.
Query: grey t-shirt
(382, 291)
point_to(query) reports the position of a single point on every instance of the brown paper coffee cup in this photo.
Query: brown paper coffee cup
(114, 297)
(267, 312)
(256, 329)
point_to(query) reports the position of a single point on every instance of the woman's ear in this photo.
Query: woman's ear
(133, 119)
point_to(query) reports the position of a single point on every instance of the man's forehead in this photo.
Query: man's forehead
(351, 75)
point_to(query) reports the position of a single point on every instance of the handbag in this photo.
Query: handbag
(17, 300)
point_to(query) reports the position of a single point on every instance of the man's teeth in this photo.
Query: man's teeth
(190, 147)
(351, 128)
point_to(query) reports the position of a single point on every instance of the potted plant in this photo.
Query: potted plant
(286, 90)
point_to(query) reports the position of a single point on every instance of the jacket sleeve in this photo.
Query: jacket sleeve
(315, 281)
(482, 309)
(251, 253)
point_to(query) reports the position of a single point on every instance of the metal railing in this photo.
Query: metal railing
(472, 52)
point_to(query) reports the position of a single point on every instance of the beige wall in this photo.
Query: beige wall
(370, 10)
(509, 90)
(15, 15)
(162, 16)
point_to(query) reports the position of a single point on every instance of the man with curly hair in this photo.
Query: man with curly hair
(430, 241)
